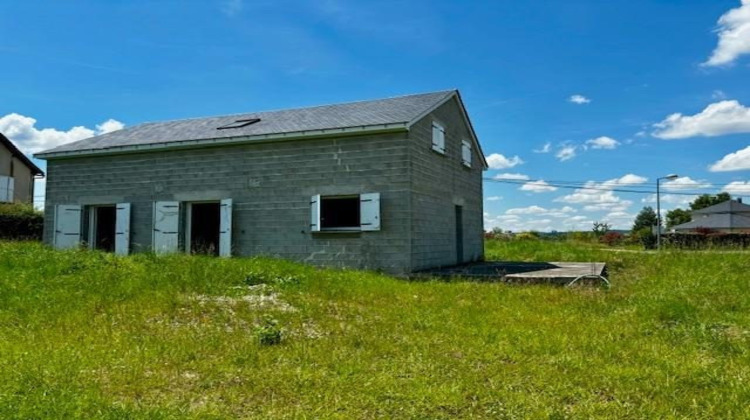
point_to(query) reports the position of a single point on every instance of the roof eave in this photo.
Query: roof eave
(20, 156)
(223, 141)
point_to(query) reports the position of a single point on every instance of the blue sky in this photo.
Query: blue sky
(592, 83)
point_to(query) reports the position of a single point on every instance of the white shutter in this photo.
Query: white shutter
(369, 212)
(166, 226)
(5, 194)
(122, 229)
(466, 153)
(438, 137)
(11, 189)
(67, 226)
(315, 213)
(225, 228)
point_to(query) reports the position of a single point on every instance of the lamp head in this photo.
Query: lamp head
(671, 177)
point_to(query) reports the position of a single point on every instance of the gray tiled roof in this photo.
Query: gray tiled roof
(402, 109)
(730, 206)
(717, 221)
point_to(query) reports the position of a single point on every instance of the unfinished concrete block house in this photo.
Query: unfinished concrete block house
(391, 184)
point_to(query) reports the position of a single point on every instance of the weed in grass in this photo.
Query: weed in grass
(268, 332)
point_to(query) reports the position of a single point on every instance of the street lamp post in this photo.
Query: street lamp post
(658, 208)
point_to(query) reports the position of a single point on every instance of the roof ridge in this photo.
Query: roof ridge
(295, 108)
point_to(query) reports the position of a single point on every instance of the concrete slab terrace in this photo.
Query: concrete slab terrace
(520, 272)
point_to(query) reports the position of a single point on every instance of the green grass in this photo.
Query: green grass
(85, 334)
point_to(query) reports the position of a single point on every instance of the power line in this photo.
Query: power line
(701, 184)
(598, 186)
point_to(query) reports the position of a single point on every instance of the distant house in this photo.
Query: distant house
(728, 217)
(17, 174)
(392, 184)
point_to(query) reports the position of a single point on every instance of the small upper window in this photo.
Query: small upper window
(239, 123)
(438, 137)
(466, 153)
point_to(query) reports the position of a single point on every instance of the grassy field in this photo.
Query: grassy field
(90, 335)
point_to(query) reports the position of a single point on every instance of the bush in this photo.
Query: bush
(578, 236)
(646, 238)
(20, 222)
(268, 333)
(612, 238)
(527, 236)
(707, 240)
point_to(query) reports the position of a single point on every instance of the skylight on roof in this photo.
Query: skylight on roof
(239, 123)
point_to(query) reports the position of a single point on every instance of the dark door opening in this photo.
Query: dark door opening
(104, 228)
(459, 235)
(205, 220)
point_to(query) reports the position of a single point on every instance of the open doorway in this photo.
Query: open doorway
(204, 228)
(103, 219)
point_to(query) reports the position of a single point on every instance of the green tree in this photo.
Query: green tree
(600, 228)
(642, 227)
(645, 219)
(707, 200)
(677, 217)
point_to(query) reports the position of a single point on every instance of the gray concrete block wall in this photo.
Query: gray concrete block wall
(270, 184)
(439, 183)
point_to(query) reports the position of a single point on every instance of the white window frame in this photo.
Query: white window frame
(438, 140)
(466, 153)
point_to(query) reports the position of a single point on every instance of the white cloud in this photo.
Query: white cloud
(616, 204)
(734, 36)
(718, 95)
(520, 177)
(527, 210)
(675, 200)
(737, 161)
(545, 149)
(619, 220)
(629, 179)
(30, 139)
(548, 219)
(685, 183)
(109, 126)
(598, 196)
(717, 119)
(603, 142)
(738, 188)
(566, 153)
(540, 211)
(494, 198)
(537, 187)
(579, 99)
(498, 161)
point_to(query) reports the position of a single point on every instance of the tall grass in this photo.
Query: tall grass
(86, 334)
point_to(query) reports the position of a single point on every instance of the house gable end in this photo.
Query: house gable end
(476, 146)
